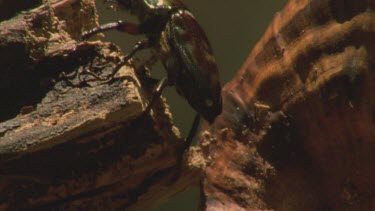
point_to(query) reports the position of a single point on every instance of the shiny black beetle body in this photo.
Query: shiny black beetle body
(181, 45)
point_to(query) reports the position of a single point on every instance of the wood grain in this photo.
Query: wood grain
(298, 127)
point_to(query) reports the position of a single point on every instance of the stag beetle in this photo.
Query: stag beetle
(182, 47)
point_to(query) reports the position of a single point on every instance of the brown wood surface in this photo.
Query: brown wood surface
(298, 127)
(69, 141)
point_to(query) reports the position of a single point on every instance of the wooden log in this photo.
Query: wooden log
(69, 141)
(297, 130)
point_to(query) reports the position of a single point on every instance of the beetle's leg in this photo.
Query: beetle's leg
(187, 143)
(124, 26)
(157, 92)
(146, 66)
(86, 70)
(86, 63)
(140, 45)
(68, 78)
(192, 132)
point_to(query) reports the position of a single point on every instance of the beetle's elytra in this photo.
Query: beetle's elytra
(181, 45)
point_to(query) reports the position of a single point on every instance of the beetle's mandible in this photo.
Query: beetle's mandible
(183, 48)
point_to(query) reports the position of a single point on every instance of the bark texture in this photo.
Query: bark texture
(69, 141)
(297, 130)
(298, 127)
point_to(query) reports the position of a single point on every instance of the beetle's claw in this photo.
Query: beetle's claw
(71, 78)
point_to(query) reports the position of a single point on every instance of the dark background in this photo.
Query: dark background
(233, 28)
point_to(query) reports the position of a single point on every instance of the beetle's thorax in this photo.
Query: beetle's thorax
(151, 9)
(152, 14)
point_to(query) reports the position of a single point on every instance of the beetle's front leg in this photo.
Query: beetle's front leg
(192, 132)
(185, 147)
(123, 26)
(140, 45)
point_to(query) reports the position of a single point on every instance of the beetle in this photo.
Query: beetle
(183, 48)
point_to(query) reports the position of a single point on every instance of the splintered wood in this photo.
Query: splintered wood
(69, 141)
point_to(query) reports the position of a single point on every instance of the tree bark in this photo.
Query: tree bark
(297, 130)
(67, 140)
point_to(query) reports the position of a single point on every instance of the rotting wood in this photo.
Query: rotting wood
(298, 128)
(65, 144)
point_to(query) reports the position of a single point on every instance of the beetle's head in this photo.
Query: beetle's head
(207, 102)
(210, 107)
(203, 95)
(120, 4)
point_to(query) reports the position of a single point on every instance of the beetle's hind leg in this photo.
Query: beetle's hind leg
(156, 94)
(140, 45)
(185, 148)
(162, 84)
(192, 132)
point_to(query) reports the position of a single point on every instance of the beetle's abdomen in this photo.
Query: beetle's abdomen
(192, 64)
